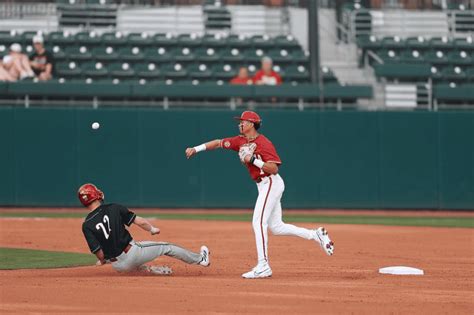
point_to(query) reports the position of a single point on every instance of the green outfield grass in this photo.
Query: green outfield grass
(465, 222)
(16, 258)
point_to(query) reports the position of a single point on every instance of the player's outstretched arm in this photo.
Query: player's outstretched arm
(146, 225)
(211, 145)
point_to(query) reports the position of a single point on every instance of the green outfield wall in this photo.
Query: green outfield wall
(349, 159)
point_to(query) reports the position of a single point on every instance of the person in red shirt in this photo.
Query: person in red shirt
(259, 155)
(266, 75)
(242, 77)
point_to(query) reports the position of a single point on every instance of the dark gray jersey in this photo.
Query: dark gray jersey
(104, 228)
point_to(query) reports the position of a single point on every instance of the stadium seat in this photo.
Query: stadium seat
(296, 72)
(57, 52)
(94, 69)
(393, 43)
(199, 71)
(328, 76)
(147, 70)
(184, 54)
(68, 69)
(3, 50)
(388, 56)
(164, 40)
(9, 37)
(419, 43)
(61, 38)
(114, 39)
(441, 43)
(238, 41)
(174, 71)
(105, 53)
(213, 40)
(262, 41)
(232, 55)
(78, 53)
(88, 38)
(158, 55)
(207, 54)
(470, 74)
(100, 2)
(465, 43)
(121, 70)
(369, 42)
(189, 40)
(459, 58)
(224, 71)
(280, 55)
(139, 39)
(408, 56)
(436, 57)
(454, 74)
(286, 41)
(131, 54)
(436, 74)
(254, 55)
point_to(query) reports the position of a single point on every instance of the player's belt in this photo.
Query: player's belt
(126, 249)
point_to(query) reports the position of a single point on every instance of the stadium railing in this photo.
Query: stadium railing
(180, 94)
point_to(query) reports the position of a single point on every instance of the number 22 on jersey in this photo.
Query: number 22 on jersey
(99, 226)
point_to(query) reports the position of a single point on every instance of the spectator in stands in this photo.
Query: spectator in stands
(41, 61)
(242, 77)
(5, 75)
(266, 75)
(17, 64)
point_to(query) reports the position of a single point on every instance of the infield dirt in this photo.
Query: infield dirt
(304, 281)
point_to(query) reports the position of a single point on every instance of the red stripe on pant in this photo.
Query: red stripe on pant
(261, 218)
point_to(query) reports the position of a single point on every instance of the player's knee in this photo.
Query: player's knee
(277, 229)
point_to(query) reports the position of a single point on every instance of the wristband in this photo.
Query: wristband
(258, 163)
(199, 148)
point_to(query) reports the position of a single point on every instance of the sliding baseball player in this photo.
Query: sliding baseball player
(107, 237)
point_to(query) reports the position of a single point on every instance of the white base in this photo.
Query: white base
(401, 270)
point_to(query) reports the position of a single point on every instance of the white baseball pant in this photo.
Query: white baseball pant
(268, 214)
(143, 252)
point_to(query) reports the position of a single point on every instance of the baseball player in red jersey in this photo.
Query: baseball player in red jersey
(262, 161)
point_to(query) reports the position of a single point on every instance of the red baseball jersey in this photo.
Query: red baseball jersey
(272, 79)
(265, 151)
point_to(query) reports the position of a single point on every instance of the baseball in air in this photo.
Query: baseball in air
(95, 125)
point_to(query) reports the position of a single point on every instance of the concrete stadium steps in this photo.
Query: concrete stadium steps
(257, 19)
(409, 23)
(46, 23)
(188, 19)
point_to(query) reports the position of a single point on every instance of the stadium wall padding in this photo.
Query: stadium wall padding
(348, 159)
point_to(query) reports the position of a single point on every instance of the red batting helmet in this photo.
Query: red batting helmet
(88, 193)
(249, 116)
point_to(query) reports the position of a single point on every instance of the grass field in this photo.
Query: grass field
(465, 222)
(16, 258)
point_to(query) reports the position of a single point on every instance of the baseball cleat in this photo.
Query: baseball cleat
(260, 271)
(205, 260)
(160, 270)
(322, 236)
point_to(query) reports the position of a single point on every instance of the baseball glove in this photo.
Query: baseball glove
(245, 150)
